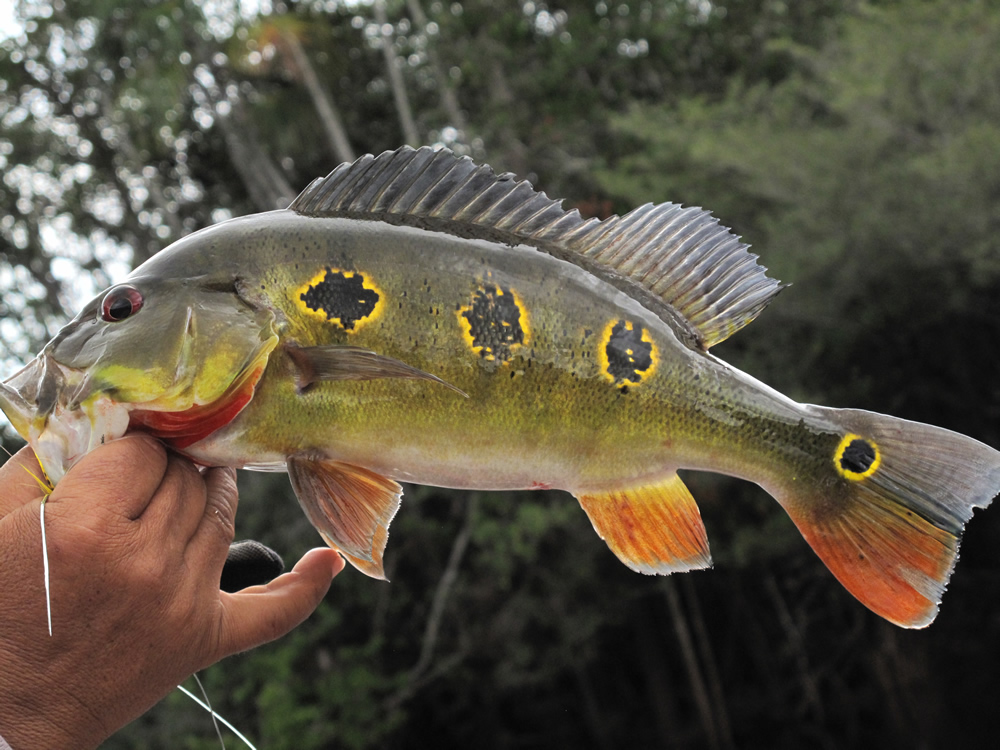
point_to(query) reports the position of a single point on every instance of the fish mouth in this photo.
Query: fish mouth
(28, 396)
(60, 413)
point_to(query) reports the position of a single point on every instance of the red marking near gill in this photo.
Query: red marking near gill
(540, 486)
(180, 429)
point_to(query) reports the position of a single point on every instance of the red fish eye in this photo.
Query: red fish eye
(120, 303)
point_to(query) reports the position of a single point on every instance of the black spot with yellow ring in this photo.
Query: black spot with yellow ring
(494, 322)
(856, 458)
(625, 355)
(340, 296)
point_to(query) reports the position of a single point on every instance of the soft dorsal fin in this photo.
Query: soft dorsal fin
(678, 262)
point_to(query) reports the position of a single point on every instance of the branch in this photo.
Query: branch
(709, 663)
(406, 122)
(796, 644)
(266, 185)
(695, 677)
(448, 99)
(421, 673)
(329, 117)
(444, 588)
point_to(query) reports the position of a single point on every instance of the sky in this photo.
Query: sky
(8, 24)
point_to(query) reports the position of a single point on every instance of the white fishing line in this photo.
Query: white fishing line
(215, 716)
(45, 568)
(215, 722)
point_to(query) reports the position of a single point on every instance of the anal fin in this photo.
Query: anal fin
(654, 528)
(349, 505)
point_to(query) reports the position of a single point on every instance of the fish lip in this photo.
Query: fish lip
(59, 411)
(17, 410)
(37, 389)
(29, 396)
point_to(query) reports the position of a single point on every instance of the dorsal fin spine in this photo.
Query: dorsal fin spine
(480, 205)
(378, 190)
(616, 252)
(369, 187)
(355, 179)
(639, 264)
(690, 264)
(533, 223)
(459, 190)
(373, 195)
(404, 198)
(678, 262)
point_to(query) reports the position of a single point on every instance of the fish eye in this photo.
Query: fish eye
(120, 303)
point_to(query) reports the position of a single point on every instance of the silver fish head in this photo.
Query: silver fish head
(160, 354)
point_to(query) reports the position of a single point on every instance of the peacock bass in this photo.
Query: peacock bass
(416, 317)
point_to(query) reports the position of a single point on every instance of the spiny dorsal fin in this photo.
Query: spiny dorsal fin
(678, 262)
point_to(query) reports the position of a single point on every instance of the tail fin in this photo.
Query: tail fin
(889, 519)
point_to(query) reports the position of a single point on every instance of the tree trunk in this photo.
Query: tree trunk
(329, 117)
(449, 101)
(406, 122)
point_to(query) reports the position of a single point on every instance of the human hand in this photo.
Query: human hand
(136, 543)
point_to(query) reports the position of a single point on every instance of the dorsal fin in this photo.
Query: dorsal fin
(678, 262)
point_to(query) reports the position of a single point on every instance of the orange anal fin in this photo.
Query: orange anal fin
(894, 561)
(349, 505)
(653, 528)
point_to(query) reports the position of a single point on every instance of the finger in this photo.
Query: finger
(123, 472)
(178, 504)
(210, 542)
(262, 613)
(22, 480)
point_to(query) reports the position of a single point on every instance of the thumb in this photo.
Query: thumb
(262, 613)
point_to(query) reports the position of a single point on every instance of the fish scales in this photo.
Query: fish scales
(549, 414)
(416, 317)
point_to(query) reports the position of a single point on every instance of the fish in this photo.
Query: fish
(417, 317)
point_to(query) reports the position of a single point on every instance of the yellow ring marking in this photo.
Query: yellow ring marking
(838, 455)
(465, 324)
(320, 314)
(605, 364)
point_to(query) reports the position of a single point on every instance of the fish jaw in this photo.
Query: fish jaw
(70, 434)
(17, 409)
(48, 404)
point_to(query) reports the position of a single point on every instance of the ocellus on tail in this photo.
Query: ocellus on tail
(416, 317)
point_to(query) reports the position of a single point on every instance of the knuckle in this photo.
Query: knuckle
(222, 501)
(224, 523)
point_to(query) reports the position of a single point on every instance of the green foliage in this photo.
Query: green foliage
(872, 168)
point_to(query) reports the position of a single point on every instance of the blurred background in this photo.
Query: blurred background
(855, 145)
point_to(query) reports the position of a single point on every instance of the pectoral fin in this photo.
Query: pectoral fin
(350, 506)
(319, 363)
(653, 528)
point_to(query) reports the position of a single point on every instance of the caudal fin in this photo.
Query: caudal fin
(890, 517)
